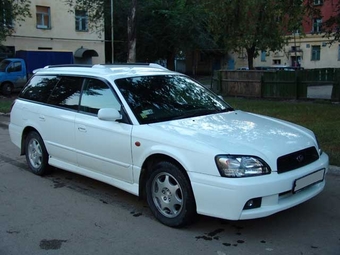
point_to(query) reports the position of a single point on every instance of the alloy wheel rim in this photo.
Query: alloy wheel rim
(167, 195)
(35, 153)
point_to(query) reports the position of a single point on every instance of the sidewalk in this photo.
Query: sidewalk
(4, 122)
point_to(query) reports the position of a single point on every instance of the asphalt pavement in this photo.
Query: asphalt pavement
(5, 118)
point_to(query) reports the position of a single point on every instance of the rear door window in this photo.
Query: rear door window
(66, 93)
(39, 88)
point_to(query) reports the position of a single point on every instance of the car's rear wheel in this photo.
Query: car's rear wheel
(170, 196)
(36, 154)
(6, 89)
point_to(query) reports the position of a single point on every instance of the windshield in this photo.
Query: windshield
(3, 65)
(168, 97)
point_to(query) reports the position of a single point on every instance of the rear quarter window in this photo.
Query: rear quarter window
(39, 88)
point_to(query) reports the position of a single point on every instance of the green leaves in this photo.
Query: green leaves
(254, 25)
(12, 12)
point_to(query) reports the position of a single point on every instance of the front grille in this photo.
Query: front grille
(296, 160)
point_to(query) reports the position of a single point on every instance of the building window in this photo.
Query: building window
(316, 50)
(318, 2)
(276, 61)
(43, 17)
(81, 20)
(317, 24)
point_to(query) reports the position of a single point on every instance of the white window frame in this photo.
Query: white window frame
(41, 17)
(81, 18)
(317, 25)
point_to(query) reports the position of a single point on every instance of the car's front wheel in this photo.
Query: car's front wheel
(36, 154)
(170, 196)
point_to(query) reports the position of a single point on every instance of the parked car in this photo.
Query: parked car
(14, 72)
(243, 68)
(278, 68)
(162, 136)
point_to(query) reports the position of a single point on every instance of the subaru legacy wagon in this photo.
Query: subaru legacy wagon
(164, 137)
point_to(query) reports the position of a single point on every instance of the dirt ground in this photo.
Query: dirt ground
(8, 98)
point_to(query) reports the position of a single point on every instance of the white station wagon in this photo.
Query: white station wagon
(162, 136)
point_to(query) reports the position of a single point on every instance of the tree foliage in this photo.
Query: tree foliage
(168, 27)
(163, 28)
(254, 25)
(12, 11)
(331, 26)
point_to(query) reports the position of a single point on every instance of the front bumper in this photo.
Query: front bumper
(226, 197)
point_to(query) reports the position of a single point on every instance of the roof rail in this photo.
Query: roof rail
(153, 65)
(68, 65)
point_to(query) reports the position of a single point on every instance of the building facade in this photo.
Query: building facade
(309, 49)
(54, 27)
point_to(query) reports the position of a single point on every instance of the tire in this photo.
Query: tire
(169, 195)
(6, 89)
(36, 154)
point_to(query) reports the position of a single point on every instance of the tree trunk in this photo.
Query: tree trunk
(131, 31)
(251, 53)
(171, 60)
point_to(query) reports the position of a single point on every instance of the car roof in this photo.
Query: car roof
(112, 70)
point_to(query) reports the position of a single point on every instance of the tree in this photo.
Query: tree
(254, 25)
(12, 11)
(131, 31)
(162, 28)
(168, 27)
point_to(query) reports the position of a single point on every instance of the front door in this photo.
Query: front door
(103, 147)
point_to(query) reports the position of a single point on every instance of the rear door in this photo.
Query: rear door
(103, 147)
(57, 118)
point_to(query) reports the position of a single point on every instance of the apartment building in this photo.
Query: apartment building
(53, 27)
(309, 49)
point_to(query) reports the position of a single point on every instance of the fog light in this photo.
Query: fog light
(250, 203)
(253, 203)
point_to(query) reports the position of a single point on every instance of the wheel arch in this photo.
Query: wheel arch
(25, 132)
(146, 170)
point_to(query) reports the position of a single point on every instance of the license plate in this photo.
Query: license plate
(308, 180)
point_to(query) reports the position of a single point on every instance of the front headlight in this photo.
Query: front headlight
(241, 166)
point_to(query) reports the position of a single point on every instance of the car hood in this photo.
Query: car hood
(239, 133)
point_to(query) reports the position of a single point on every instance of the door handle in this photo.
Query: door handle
(82, 129)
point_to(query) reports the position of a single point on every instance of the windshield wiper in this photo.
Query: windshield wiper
(195, 113)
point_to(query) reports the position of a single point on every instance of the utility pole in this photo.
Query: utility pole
(112, 35)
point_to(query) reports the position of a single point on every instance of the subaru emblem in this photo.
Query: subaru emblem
(300, 158)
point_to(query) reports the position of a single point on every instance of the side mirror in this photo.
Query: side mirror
(109, 114)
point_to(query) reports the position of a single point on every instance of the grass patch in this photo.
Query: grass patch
(323, 118)
(5, 105)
